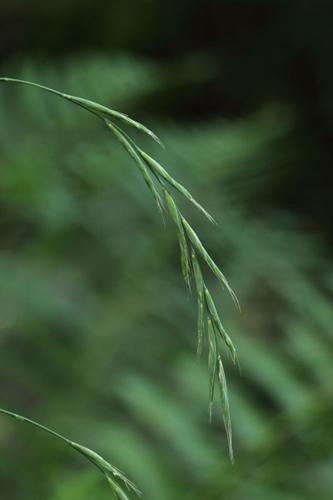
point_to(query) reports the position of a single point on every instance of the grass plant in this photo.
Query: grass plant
(193, 255)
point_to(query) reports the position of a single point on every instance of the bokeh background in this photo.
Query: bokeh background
(97, 330)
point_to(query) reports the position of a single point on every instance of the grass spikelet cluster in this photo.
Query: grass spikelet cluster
(192, 253)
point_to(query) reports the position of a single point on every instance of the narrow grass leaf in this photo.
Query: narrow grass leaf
(184, 252)
(200, 325)
(104, 466)
(167, 177)
(111, 113)
(195, 240)
(199, 283)
(212, 364)
(121, 137)
(218, 323)
(134, 145)
(119, 492)
(225, 406)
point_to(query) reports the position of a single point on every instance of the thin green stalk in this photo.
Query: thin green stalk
(110, 472)
(32, 422)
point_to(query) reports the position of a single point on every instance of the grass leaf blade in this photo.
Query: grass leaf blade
(127, 144)
(184, 252)
(218, 323)
(179, 187)
(195, 240)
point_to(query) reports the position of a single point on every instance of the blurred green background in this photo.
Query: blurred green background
(97, 330)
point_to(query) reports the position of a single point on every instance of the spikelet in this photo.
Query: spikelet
(199, 283)
(225, 406)
(196, 242)
(160, 171)
(184, 252)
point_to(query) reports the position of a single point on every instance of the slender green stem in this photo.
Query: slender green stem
(35, 424)
(51, 91)
(32, 84)
(108, 470)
